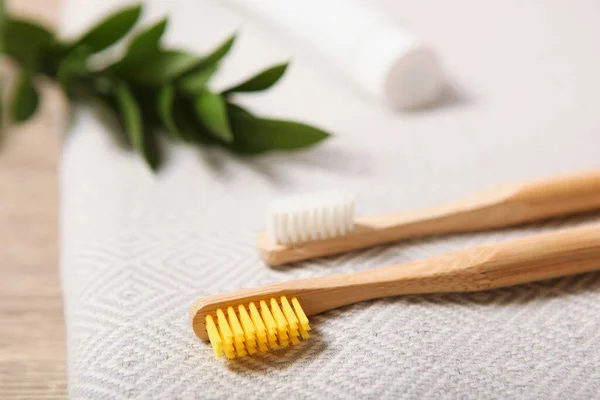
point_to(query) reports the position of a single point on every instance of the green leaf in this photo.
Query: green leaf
(189, 126)
(110, 30)
(73, 66)
(238, 111)
(257, 135)
(150, 89)
(195, 83)
(131, 114)
(166, 100)
(148, 40)
(212, 59)
(145, 44)
(27, 40)
(260, 81)
(161, 68)
(151, 149)
(217, 54)
(25, 98)
(210, 108)
(103, 86)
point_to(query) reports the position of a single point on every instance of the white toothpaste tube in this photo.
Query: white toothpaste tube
(379, 57)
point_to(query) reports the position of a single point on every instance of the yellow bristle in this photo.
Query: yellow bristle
(262, 349)
(294, 339)
(224, 328)
(213, 335)
(240, 349)
(262, 345)
(300, 313)
(269, 322)
(304, 325)
(282, 325)
(236, 327)
(250, 347)
(226, 334)
(289, 314)
(247, 325)
(261, 330)
(238, 332)
(304, 333)
(257, 320)
(252, 329)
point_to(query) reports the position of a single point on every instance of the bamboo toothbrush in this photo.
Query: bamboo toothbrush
(309, 226)
(260, 319)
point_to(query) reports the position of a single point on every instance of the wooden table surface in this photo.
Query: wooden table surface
(32, 334)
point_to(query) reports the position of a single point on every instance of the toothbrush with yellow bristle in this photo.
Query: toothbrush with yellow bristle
(249, 331)
(275, 316)
(320, 224)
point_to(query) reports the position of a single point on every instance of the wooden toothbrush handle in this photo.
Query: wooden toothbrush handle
(533, 258)
(550, 255)
(502, 206)
(557, 196)
(499, 207)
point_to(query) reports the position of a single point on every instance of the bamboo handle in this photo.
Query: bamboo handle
(502, 206)
(514, 262)
(556, 196)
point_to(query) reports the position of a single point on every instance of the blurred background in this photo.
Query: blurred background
(32, 333)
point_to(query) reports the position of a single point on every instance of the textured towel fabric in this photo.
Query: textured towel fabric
(138, 249)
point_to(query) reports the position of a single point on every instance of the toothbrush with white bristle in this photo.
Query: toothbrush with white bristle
(314, 225)
(309, 217)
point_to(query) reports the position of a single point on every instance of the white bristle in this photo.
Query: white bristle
(301, 218)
